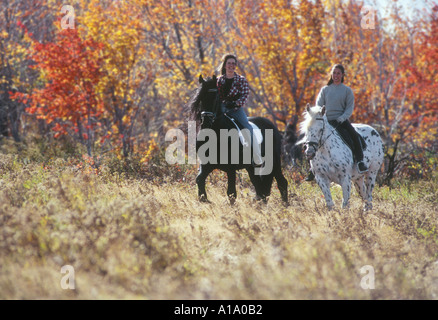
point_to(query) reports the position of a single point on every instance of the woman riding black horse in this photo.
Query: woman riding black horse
(233, 90)
(216, 152)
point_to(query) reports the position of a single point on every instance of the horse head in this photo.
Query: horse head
(204, 102)
(313, 129)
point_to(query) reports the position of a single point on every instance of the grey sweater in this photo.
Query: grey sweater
(338, 101)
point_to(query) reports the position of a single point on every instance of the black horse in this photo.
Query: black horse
(205, 107)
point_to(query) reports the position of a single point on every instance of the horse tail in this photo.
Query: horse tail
(278, 142)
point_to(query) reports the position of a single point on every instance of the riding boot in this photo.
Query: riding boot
(358, 153)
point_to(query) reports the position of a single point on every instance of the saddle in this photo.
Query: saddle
(345, 136)
(258, 137)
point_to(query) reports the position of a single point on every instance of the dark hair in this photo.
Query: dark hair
(224, 61)
(336, 66)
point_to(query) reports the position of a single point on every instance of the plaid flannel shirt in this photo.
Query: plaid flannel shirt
(239, 90)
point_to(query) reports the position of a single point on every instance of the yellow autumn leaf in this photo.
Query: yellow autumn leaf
(125, 119)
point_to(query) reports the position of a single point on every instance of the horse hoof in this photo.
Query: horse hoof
(285, 201)
(259, 198)
(232, 200)
(203, 198)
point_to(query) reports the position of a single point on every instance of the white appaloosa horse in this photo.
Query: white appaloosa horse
(332, 160)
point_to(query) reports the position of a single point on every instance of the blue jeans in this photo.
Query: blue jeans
(240, 116)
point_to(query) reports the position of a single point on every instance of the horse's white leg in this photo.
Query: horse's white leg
(362, 189)
(346, 190)
(369, 184)
(325, 188)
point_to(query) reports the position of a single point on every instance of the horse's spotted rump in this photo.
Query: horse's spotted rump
(332, 160)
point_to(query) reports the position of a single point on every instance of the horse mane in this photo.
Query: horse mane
(193, 105)
(309, 118)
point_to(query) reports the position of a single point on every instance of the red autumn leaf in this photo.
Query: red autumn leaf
(72, 68)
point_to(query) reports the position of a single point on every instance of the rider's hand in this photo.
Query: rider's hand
(341, 119)
(232, 105)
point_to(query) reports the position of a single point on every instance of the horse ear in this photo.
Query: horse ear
(323, 110)
(308, 107)
(201, 79)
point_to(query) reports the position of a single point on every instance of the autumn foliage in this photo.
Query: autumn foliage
(70, 68)
(120, 78)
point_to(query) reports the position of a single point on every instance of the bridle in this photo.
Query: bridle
(317, 145)
(320, 143)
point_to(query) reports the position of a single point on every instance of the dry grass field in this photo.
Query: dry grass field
(132, 238)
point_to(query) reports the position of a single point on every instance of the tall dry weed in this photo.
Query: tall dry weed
(132, 237)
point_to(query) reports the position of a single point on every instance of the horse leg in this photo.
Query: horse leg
(325, 188)
(256, 181)
(282, 185)
(204, 171)
(346, 190)
(361, 189)
(231, 191)
(369, 184)
(266, 184)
